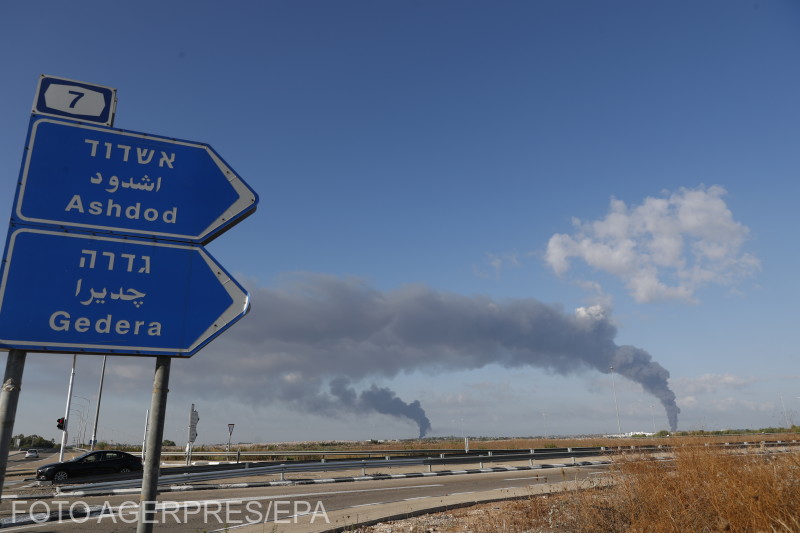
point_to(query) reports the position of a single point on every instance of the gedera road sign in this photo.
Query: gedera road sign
(107, 180)
(80, 293)
(76, 100)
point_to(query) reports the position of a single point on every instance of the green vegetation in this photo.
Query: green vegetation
(762, 431)
(32, 441)
(103, 445)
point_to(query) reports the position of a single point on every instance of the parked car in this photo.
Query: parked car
(91, 464)
(32, 454)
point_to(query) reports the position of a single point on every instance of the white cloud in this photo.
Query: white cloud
(499, 263)
(591, 313)
(708, 384)
(664, 249)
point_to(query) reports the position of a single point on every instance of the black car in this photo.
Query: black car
(91, 464)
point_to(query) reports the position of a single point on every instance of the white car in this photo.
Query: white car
(32, 454)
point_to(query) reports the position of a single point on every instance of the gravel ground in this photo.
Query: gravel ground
(460, 520)
(479, 518)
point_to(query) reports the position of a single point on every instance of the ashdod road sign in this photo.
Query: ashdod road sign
(74, 292)
(107, 180)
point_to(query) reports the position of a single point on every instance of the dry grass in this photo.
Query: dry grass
(704, 489)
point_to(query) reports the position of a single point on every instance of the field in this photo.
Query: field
(699, 488)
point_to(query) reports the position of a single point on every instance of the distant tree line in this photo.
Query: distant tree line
(32, 441)
(793, 429)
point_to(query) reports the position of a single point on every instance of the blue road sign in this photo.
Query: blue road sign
(76, 100)
(80, 293)
(107, 180)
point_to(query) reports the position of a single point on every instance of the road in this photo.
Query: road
(294, 508)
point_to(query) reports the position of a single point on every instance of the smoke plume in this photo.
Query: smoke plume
(311, 342)
(381, 400)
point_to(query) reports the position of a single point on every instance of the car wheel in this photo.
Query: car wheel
(124, 470)
(60, 476)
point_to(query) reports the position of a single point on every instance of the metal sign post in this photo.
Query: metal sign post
(158, 409)
(9, 396)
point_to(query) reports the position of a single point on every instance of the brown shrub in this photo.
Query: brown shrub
(699, 489)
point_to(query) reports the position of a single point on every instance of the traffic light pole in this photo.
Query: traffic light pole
(9, 395)
(66, 413)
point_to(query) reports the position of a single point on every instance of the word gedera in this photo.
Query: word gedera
(62, 321)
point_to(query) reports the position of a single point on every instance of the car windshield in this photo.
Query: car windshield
(83, 457)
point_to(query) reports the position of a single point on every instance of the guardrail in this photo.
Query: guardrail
(325, 454)
(248, 469)
(332, 454)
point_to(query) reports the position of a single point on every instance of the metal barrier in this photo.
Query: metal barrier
(248, 469)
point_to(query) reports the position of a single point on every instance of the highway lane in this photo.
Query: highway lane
(18, 468)
(292, 508)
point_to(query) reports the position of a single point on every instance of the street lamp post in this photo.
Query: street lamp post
(785, 416)
(84, 420)
(653, 416)
(616, 405)
(64, 435)
(93, 439)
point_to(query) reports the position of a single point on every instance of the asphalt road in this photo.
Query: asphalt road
(293, 508)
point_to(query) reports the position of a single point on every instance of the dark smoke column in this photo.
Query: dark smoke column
(637, 365)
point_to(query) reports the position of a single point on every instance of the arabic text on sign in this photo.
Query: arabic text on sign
(114, 183)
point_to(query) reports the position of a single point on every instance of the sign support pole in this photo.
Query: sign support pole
(9, 395)
(158, 410)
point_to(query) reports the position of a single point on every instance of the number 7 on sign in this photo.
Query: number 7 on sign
(78, 96)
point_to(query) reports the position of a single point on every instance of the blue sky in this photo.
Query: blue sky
(442, 184)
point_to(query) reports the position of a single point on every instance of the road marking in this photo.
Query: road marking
(173, 506)
(307, 494)
(292, 517)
